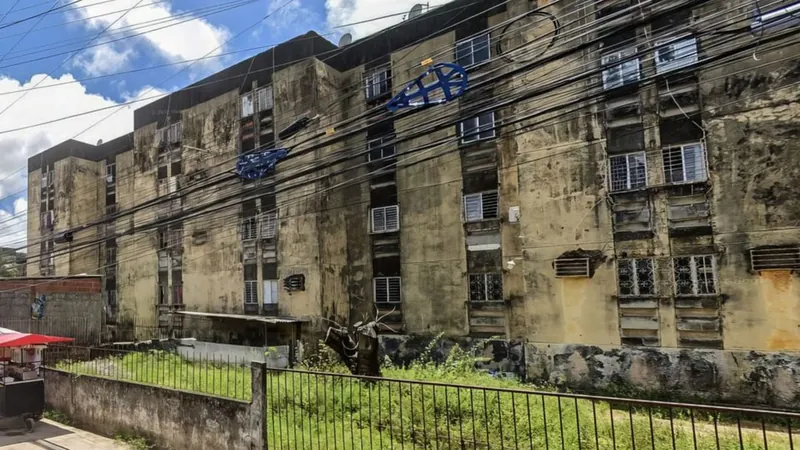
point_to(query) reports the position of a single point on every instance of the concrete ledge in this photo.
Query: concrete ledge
(169, 418)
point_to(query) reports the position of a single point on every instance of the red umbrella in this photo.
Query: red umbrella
(11, 338)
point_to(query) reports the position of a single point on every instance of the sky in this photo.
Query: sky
(62, 58)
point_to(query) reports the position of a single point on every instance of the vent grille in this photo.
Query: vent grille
(775, 258)
(572, 267)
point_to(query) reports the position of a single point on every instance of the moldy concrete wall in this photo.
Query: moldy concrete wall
(169, 418)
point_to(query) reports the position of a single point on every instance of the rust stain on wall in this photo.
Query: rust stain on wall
(781, 280)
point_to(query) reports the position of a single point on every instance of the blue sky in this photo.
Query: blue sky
(47, 74)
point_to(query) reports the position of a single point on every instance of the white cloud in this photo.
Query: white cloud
(39, 106)
(350, 11)
(105, 59)
(14, 230)
(189, 40)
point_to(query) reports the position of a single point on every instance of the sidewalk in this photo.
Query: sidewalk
(52, 435)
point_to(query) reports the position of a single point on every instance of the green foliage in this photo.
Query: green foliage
(57, 416)
(133, 442)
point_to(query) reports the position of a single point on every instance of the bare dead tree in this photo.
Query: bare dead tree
(358, 345)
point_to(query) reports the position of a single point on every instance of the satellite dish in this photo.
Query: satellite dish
(346, 39)
(99, 142)
(416, 10)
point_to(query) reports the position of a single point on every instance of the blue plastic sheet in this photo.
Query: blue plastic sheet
(256, 165)
(451, 79)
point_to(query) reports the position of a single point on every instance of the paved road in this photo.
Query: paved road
(54, 436)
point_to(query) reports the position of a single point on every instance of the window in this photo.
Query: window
(485, 287)
(477, 128)
(775, 258)
(779, 18)
(480, 206)
(111, 173)
(111, 255)
(111, 298)
(251, 292)
(264, 99)
(695, 275)
(377, 149)
(249, 228)
(620, 73)
(385, 219)
(685, 163)
(635, 277)
(270, 292)
(175, 133)
(675, 54)
(386, 289)
(247, 105)
(377, 82)
(473, 51)
(628, 172)
(269, 223)
(177, 294)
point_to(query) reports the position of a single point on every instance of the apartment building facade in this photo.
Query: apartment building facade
(639, 199)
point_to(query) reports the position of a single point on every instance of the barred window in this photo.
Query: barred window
(251, 292)
(628, 172)
(264, 98)
(485, 287)
(377, 82)
(385, 219)
(249, 228)
(636, 277)
(695, 275)
(685, 163)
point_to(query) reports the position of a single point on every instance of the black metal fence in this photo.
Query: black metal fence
(311, 410)
(224, 376)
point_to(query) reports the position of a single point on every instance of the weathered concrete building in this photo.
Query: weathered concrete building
(616, 187)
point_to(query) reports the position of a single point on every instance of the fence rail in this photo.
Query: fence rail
(311, 410)
(196, 372)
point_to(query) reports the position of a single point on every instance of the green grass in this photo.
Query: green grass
(312, 410)
(133, 442)
(57, 416)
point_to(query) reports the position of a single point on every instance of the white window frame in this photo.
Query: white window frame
(700, 174)
(264, 98)
(635, 277)
(250, 291)
(247, 105)
(386, 281)
(111, 178)
(268, 225)
(376, 82)
(272, 298)
(695, 276)
(629, 185)
(485, 277)
(383, 210)
(622, 54)
(684, 49)
(477, 136)
(482, 199)
(380, 141)
(470, 56)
